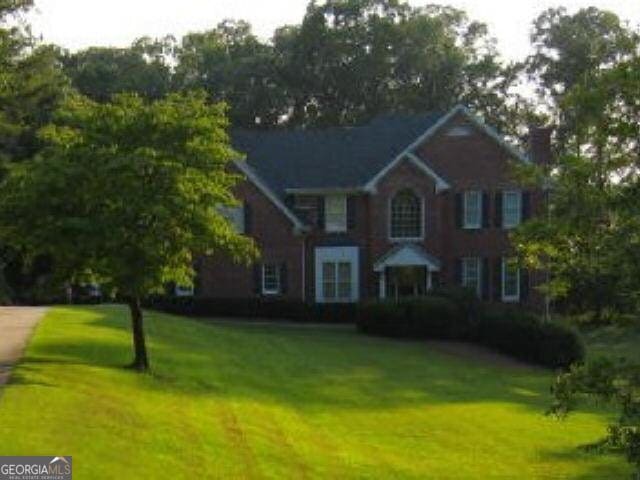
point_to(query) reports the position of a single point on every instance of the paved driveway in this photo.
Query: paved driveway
(16, 327)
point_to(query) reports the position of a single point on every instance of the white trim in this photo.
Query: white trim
(405, 256)
(337, 255)
(465, 224)
(303, 270)
(251, 175)
(458, 109)
(277, 290)
(509, 298)
(441, 184)
(324, 190)
(504, 209)
(389, 218)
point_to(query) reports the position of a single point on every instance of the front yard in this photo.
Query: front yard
(265, 401)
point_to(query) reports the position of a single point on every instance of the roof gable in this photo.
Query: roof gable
(432, 131)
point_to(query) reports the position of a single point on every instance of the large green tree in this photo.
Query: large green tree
(126, 192)
(232, 64)
(143, 68)
(590, 236)
(350, 60)
(31, 84)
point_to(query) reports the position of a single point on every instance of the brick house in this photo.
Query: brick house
(386, 210)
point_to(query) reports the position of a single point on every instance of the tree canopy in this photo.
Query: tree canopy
(126, 191)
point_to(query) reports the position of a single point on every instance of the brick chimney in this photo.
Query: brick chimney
(540, 144)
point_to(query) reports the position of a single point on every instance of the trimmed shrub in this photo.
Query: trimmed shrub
(506, 329)
(522, 335)
(255, 308)
(427, 317)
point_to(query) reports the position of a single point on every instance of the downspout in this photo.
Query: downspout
(304, 269)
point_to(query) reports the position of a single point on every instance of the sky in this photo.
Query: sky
(77, 24)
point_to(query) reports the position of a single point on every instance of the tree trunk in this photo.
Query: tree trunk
(140, 361)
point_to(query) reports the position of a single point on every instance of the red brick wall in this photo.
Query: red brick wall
(469, 162)
(274, 235)
(474, 162)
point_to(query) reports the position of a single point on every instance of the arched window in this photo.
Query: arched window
(406, 215)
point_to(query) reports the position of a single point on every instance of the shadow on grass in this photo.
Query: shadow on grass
(304, 368)
(299, 366)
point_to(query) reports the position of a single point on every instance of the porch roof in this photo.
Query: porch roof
(408, 255)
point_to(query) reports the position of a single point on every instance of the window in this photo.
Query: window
(336, 274)
(335, 213)
(406, 216)
(460, 131)
(472, 209)
(270, 279)
(471, 274)
(235, 215)
(336, 281)
(183, 291)
(510, 280)
(511, 209)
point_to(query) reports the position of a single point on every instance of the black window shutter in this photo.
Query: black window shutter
(458, 272)
(497, 279)
(248, 219)
(284, 285)
(257, 278)
(498, 213)
(320, 212)
(458, 211)
(351, 212)
(485, 210)
(486, 279)
(524, 285)
(526, 206)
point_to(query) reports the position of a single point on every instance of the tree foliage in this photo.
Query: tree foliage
(126, 191)
(143, 68)
(613, 382)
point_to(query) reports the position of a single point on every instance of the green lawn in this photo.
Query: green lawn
(250, 401)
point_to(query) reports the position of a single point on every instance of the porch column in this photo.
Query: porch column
(429, 279)
(383, 284)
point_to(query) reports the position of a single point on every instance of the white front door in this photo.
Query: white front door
(337, 274)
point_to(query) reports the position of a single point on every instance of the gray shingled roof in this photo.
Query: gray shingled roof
(344, 157)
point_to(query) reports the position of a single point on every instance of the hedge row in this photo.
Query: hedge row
(262, 308)
(511, 331)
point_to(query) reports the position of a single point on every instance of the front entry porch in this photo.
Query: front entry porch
(406, 271)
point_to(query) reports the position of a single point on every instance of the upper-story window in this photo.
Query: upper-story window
(511, 208)
(335, 213)
(406, 216)
(235, 215)
(462, 130)
(472, 209)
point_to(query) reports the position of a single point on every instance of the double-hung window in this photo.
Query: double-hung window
(335, 213)
(510, 280)
(336, 281)
(235, 216)
(511, 208)
(472, 274)
(406, 216)
(270, 279)
(472, 209)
